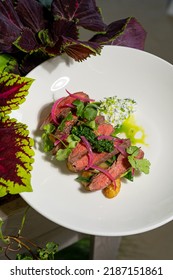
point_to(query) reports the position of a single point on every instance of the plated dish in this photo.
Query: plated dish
(85, 133)
(127, 73)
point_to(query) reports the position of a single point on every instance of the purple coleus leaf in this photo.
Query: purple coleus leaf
(61, 30)
(83, 13)
(8, 10)
(32, 14)
(9, 32)
(66, 37)
(27, 42)
(20, 25)
(64, 28)
(16, 157)
(13, 90)
(30, 61)
(125, 32)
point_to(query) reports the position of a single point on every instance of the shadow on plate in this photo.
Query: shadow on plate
(51, 64)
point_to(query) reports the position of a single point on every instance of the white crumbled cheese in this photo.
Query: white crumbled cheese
(116, 110)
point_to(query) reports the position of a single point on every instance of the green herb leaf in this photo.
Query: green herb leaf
(142, 165)
(128, 175)
(91, 124)
(90, 112)
(68, 118)
(84, 179)
(63, 154)
(47, 143)
(132, 150)
(79, 107)
(72, 140)
(49, 128)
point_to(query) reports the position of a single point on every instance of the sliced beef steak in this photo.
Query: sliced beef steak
(118, 168)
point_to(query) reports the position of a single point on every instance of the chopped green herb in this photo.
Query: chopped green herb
(97, 145)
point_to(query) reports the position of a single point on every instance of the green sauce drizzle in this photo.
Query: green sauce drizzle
(133, 131)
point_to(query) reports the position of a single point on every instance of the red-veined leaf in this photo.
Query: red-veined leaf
(16, 157)
(13, 90)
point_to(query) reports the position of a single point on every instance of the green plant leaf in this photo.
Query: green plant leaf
(2, 237)
(8, 64)
(20, 257)
(48, 252)
(16, 157)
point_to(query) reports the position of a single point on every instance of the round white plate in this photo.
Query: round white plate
(146, 203)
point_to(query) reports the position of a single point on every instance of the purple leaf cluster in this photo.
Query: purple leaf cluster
(32, 33)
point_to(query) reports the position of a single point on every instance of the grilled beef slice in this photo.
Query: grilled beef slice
(98, 158)
(80, 150)
(119, 167)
